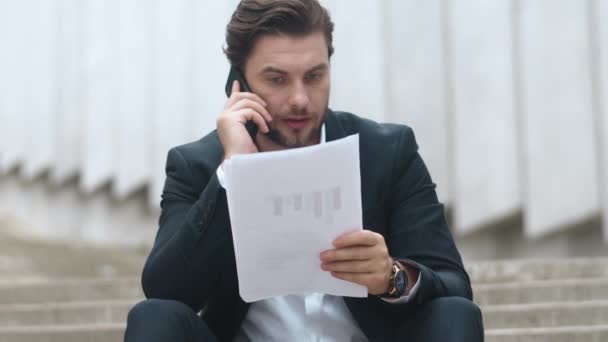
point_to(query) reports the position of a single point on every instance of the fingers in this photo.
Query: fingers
(250, 114)
(364, 279)
(360, 257)
(359, 266)
(237, 96)
(245, 106)
(240, 108)
(373, 274)
(361, 237)
(345, 254)
(248, 103)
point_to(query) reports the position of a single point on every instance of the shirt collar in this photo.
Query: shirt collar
(322, 140)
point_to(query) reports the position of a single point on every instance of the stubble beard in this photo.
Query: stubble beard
(295, 139)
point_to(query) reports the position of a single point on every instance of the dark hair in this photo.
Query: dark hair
(253, 18)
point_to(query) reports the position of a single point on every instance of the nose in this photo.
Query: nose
(299, 97)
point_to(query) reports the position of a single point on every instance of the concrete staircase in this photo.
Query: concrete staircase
(55, 292)
(543, 300)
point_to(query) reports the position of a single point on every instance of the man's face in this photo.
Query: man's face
(292, 74)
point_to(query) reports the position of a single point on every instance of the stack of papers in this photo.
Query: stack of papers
(286, 208)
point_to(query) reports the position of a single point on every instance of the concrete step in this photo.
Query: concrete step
(115, 332)
(530, 270)
(593, 333)
(564, 290)
(67, 290)
(68, 313)
(495, 316)
(22, 255)
(64, 333)
(545, 315)
(70, 290)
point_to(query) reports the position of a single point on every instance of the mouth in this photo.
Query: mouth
(297, 123)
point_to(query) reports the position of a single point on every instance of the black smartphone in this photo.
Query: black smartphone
(237, 75)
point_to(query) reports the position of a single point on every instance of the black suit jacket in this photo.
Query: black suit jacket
(193, 256)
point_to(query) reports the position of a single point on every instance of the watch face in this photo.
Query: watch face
(400, 282)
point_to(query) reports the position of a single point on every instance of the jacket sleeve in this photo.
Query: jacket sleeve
(183, 264)
(418, 228)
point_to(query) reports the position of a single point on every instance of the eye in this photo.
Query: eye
(277, 80)
(314, 76)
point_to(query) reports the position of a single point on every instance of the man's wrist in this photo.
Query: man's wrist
(412, 274)
(396, 279)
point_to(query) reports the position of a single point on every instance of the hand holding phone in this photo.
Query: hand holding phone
(237, 75)
(244, 113)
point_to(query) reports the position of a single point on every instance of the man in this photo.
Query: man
(405, 255)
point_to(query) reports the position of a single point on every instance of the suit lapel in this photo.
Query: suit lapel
(333, 128)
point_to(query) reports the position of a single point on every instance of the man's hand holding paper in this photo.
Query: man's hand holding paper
(288, 207)
(360, 257)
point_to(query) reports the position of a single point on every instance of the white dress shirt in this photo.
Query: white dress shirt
(315, 317)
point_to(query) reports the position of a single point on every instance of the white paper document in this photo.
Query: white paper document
(286, 208)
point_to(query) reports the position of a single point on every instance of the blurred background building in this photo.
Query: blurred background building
(508, 99)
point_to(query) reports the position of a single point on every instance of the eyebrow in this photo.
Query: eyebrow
(321, 66)
(283, 72)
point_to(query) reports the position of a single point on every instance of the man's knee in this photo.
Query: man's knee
(451, 319)
(163, 320)
(151, 310)
(455, 308)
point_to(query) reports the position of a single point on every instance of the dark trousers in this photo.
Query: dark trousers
(448, 319)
